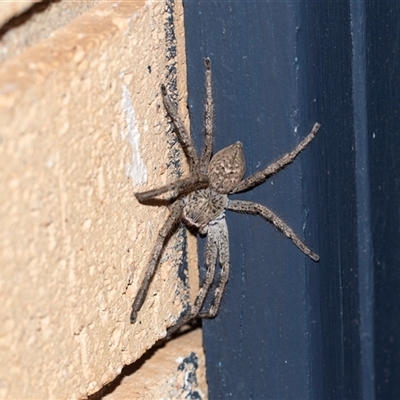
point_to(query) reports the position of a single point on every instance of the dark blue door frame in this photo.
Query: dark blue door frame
(289, 328)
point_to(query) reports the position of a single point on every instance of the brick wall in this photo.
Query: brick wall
(82, 129)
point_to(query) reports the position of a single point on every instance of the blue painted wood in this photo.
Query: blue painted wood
(333, 289)
(289, 328)
(383, 110)
(365, 245)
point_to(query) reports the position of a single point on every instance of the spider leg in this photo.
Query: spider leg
(165, 232)
(208, 120)
(262, 176)
(181, 186)
(211, 261)
(183, 136)
(249, 207)
(221, 232)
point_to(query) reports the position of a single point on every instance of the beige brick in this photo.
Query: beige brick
(25, 23)
(82, 129)
(10, 9)
(174, 370)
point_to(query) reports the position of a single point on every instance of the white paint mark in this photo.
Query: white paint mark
(83, 339)
(136, 169)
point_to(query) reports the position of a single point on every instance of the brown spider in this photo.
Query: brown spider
(201, 199)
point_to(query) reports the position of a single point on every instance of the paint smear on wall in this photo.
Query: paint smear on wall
(136, 169)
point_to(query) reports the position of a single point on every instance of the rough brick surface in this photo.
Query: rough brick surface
(182, 363)
(9, 9)
(25, 23)
(82, 129)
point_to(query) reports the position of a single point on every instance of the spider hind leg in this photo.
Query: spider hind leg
(219, 234)
(217, 250)
(166, 231)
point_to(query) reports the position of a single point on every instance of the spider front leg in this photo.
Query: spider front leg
(165, 232)
(180, 187)
(184, 138)
(208, 121)
(262, 176)
(249, 207)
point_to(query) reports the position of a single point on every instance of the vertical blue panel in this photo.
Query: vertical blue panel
(383, 94)
(288, 328)
(333, 289)
(365, 245)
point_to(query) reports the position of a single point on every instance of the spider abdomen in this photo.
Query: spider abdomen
(227, 168)
(203, 206)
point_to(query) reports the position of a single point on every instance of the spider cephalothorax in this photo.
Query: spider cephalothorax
(201, 199)
(225, 171)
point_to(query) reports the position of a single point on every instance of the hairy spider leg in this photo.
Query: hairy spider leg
(249, 207)
(217, 250)
(219, 235)
(184, 138)
(166, 231)
(180, 187)
(262, 176)
(208, 121)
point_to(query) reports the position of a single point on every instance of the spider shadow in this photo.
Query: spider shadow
(157, 202)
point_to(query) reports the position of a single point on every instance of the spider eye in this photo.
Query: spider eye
(227, 168)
